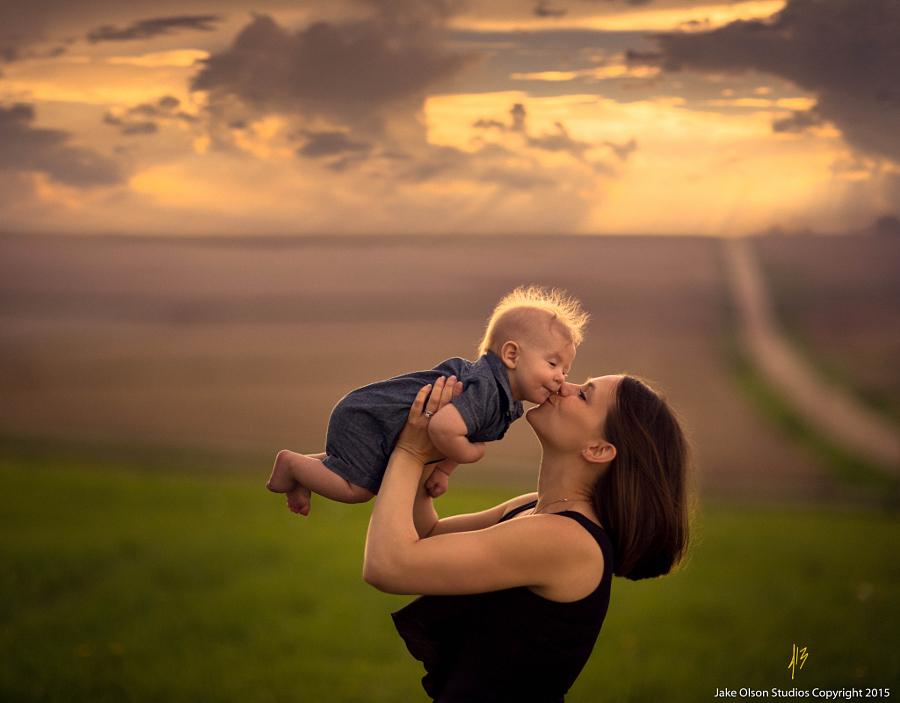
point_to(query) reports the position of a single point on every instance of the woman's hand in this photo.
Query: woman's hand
(414, 438)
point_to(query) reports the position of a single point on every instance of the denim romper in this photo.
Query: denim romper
(365, 423)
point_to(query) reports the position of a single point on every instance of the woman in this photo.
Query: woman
(515, 595)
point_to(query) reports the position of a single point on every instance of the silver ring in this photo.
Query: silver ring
(428, 414)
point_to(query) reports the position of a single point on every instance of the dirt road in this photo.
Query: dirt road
(831, 411)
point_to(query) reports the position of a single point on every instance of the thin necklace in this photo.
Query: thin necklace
(561, 500)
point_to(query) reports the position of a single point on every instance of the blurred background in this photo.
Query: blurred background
(218, 218)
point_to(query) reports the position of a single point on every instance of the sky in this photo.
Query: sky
(711, 117)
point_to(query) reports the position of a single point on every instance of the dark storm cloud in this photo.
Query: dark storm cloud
(27, 148)
(146, 117)
(628, 2)
(439, 161)
(845, 51)
(482, 166)
(798, 121)
(517, 113)
(623, 151)
(146, 29)
(169, 102)
(517, 117)
(543, 9)
(558, 140)
(488, 124)
(415, 13)
(140, 128)
(517, 179)
(344, 71)
(319, 144)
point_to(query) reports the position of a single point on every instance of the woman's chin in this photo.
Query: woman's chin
(531, 412)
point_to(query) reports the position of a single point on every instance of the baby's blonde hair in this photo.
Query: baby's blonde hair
(516, 313)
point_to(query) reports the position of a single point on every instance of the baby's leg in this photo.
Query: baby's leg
(298, 475)
(438, 482)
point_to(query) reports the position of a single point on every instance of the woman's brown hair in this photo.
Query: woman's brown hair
(641, 498)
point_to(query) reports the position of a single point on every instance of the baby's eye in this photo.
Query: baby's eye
(582, 395)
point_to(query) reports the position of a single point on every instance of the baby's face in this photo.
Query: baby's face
(542, 367)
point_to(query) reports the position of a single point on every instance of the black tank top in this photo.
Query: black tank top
(509, 645)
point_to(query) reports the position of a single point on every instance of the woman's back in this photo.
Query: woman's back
(510, 644)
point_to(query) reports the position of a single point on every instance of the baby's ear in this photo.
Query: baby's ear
(509, 354)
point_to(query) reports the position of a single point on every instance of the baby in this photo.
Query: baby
(525, 354)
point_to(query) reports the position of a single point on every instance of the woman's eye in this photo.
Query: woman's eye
(582, 395)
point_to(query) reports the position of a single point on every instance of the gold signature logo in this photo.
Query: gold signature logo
(798, 659)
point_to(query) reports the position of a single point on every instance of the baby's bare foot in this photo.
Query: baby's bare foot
(437, 483)
(299, 499)
(281, 480)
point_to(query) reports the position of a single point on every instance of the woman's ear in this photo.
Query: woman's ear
(509, 354)
(600, 452)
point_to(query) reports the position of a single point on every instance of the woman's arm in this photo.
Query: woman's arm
(522, 552)
(429, 524)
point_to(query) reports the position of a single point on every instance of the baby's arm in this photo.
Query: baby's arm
(448, 430)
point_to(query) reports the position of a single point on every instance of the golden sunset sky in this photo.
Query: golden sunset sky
(487, 116)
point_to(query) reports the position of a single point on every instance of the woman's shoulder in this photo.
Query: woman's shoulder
(566, 534)
(517, 505)
(570, 544)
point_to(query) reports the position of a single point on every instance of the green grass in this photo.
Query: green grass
(862, 479)
(793, 297)
(865, 479)
(123, 585)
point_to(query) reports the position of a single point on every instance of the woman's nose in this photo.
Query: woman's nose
(567, 389)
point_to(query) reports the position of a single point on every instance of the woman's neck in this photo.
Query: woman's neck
(564, 480)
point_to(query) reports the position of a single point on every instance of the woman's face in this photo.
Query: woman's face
(574, 418)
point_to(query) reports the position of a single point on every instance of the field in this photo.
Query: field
(243, 346)
(146, 384)
(125, 585)
(842, 308)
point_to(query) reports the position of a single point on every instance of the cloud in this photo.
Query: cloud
(844, 51)
(799, 121)
(518, 114)
(140, 128)
(146, 117)
(146, 29)
(492, 165)
(319, 144)
(489, 124)
(558, 140)
(350, 73)
(627, 2)
(27, 148)
(623, 151)
(543, 9)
